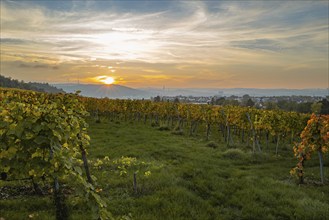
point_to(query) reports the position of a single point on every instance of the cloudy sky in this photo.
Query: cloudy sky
(190, 44)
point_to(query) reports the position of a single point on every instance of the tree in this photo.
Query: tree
(250, 103)
(325, 106)
(157, 99)
(316, 107)
(245, 99)
(218, 101)
(304, 107)
(232, 102)
(271, 106)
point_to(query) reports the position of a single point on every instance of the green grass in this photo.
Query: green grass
(191, 178)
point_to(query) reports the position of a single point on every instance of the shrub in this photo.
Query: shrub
(164, 128)
(234, 154)
(212, 144)
(178, 132)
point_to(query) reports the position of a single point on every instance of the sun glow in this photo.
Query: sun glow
(108, 80)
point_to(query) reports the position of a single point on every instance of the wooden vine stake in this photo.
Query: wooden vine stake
(228, 136)
(85, 161)
(253, 133)
(61, 208)
(321, 166)
(135, 183)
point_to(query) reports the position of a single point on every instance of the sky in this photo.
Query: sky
(172, 44)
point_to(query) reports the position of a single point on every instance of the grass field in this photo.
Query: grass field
(182, 177)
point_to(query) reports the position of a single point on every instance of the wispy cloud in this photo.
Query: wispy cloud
(212, 35)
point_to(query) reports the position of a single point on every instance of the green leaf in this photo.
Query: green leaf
(6, 169)
(37, 154)
(78, 170)
(28, 135)
(2, 131)
(66, 145)
(32, 173)
(8, 153)
(57, 134)
(41, 140)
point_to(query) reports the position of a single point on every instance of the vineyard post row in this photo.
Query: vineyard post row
(255, 122)
(229, 120)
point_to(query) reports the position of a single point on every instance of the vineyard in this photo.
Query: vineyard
(205, 157)
(249, 123)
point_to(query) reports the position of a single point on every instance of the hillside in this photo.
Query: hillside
(181, 177)
(8, 82)
(185, 164)
(101, 90)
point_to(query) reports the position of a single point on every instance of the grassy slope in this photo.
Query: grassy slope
(198, 182)
(190, 181)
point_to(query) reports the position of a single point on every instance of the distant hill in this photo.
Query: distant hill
(198, 92)
(8, 82)
(119, 91)
(102, 91)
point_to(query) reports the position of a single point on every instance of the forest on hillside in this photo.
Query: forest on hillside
(8, 82)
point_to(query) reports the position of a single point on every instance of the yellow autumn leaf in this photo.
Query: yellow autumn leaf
(66, 145)
(32, 173)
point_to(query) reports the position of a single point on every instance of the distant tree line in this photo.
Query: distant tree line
(8, 82)
(320, 107)
(246, 101)
(304, 104)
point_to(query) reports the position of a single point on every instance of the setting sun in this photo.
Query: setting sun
(108, 80)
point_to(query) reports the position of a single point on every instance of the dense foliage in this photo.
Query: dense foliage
(314, 138)
(43, 136)
(243, 120)
(7, 82)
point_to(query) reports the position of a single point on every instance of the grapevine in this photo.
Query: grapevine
(314, 138)
(42, 136)
(230, 119)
